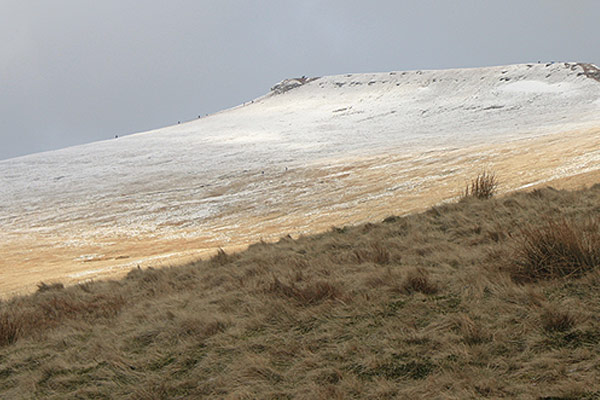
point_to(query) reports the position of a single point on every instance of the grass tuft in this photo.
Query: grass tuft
(483, 187)
(221, 258)
(311, 294)
(44, 287)
(375, 253)
(10, 328)
(557, 249)
(417, 280)
(554, 320)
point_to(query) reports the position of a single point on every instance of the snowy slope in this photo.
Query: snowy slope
(203, 180)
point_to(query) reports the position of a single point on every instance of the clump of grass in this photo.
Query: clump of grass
(554, 320)
(311, 294)
(10, 329)
(44, 287)
(221, 258)
(484, 186)
(375, 253)
(473, 332)
(558, 249)
(417, 280)
(58, 308)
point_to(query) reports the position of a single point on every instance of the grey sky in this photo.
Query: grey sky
(75, 71)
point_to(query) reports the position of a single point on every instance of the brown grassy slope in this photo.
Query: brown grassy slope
(415, 307)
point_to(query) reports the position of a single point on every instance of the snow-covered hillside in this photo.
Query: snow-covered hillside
(311, 153)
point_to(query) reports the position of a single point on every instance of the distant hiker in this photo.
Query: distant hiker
(178, 122)
(116, 136)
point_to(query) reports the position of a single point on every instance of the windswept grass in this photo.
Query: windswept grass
(557, 248)
(10, 327)
(311, 294)
(417, 280)
(433, 305)
(484, 186)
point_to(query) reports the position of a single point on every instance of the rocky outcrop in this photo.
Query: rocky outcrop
(289, 84)
(591, 71)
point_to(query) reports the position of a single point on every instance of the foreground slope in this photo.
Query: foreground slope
(422, 306)
(338, 149)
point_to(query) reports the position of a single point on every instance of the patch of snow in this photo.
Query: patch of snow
(536, 87)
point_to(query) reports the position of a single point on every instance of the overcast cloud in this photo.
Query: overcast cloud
(76, 71)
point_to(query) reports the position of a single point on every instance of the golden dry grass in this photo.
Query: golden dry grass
(422, 306)
(483, 186)
(560, 247)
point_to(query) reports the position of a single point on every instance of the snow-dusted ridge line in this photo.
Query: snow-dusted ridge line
(581, 69)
